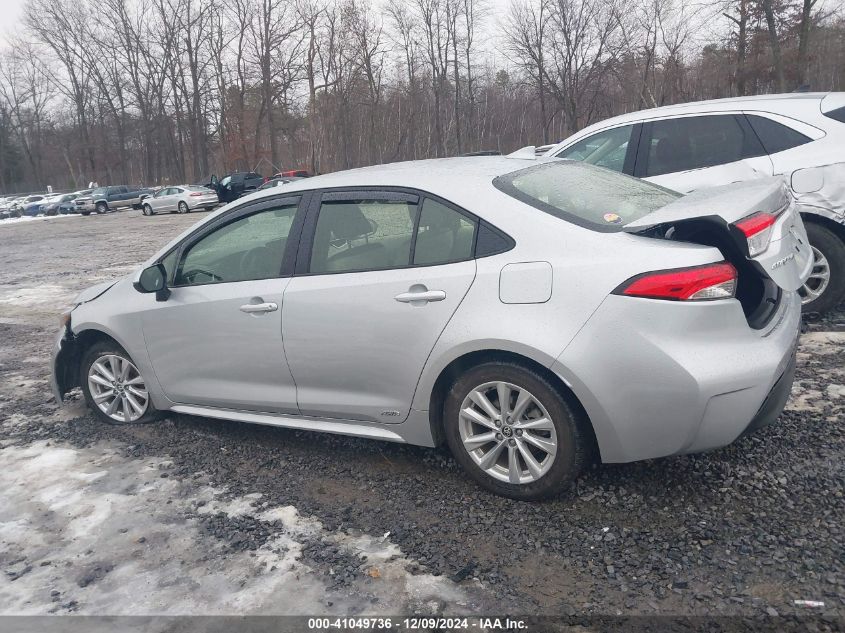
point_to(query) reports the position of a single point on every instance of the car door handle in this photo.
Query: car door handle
(419, 297)
(257, 308)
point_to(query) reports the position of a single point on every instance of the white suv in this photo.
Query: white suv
(697, 145)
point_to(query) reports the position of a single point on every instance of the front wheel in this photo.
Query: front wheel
(113, 386)
(101, 208)
(183, 207)
(147, 210)
(513, 432)
(825, 288)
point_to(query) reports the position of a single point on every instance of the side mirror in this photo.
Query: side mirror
(154, 279)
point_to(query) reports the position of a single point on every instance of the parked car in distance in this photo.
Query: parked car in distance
(432, 299)
(9, 208)
(31, 205)
(690, 146)
(38, 206)
(181, 199)
(233, 186)
(74, 206)
(104, 199)
(275, 181)
(59, 204)
(292, 173)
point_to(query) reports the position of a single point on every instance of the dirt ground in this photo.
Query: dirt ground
(196, 516)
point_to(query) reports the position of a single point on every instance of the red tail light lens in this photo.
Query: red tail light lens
(196, 194)
(757, 229)
(699, 283)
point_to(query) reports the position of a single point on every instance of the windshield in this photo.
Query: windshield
(586, 195)
(100, 192)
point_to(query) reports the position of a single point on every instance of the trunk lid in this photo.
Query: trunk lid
(786, 261)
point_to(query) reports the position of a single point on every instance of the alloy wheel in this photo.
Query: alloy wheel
(507, 432)
(117, 388)
(818, 280)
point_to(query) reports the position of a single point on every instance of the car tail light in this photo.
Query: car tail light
(757, 229)
(196, 194)
(698, 283)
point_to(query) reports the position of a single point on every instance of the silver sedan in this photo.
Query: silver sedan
(531, 313)
(181, 199)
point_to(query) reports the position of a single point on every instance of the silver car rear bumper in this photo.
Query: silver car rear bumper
(661, 378)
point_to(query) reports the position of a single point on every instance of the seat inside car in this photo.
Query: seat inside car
(346, 222)
(672, 153)
(439, 228)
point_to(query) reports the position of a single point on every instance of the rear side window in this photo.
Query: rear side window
(443, 235)
(696, 142)
(357, 235)
(775, 136)
(584, 195)
(837, 115)
(605, 149)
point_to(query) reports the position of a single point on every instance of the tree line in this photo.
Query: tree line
(169, 91)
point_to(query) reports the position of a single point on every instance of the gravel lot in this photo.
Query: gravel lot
(199, 516)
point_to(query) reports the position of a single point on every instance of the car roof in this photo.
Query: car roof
(440, 176)
(760, 102)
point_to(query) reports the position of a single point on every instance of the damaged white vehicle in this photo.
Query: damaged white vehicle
(692, 146)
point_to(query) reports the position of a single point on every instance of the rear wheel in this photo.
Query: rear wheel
(513, 432)
(113, 386)
(183, 207)
(825, 288)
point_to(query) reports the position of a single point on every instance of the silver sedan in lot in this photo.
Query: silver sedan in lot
(530, 313)
(181, 199)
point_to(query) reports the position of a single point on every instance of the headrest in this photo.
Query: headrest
(346, 221)
(672, 149)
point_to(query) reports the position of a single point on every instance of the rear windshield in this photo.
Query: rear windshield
(197, 188)
(589, 196)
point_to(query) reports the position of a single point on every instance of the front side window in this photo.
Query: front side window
(696, 142)
(251, 247)
(584, 195)
(605, 149)
(355, 235)
(443, 235)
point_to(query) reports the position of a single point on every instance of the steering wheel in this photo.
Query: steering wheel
(252, 261)
(200, 271)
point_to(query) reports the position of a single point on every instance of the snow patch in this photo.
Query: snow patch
(90, 531)
(45, 295)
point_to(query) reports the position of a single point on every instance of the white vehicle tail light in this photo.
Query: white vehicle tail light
(698, 283)
(757, 229)
(196, 194)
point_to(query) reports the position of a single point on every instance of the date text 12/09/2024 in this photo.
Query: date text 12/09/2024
(414, 623)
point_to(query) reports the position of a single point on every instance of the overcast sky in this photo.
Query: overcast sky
(11, 14)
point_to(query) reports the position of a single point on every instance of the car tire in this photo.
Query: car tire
(147, 210)
(101, 208)
(98, 365)
(183, 207)
(563, 431)
(828, 277)
(85, 212)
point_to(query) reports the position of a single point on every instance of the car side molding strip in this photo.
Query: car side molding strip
(292, 422)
